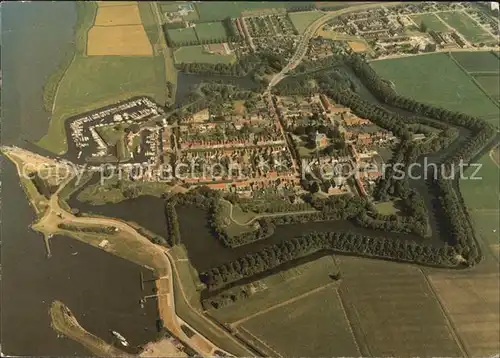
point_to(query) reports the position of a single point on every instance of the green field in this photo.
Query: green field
(148, 21)
(196, 54)
(233, 228)
(436, 79)
(183, 36)
(312, 326)
(482, 198)
(466, 26)
(279, 288)
(211, 31)
(431, 21)
(387, 208)
(491, 85)
(301, 20)
(475, 61)
(393, 311)
(219, 10)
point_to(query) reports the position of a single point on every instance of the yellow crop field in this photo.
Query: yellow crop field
(115, 3)
(118, 15)
(129, 40)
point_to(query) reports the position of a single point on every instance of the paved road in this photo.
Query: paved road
(311, 30)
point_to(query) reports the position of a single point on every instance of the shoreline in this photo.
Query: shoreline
(154, 256)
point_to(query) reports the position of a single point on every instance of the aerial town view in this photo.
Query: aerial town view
(250, 179)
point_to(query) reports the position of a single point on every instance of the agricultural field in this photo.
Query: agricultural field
(126, 40)
(118, 31)
(276, 289)
(313, 326)
(208, 31)
(466, 26)
(118, 15)
(472, 303)
(393, 311)
(490, 84)
(184, 35)
(479, 62)
(115, 3)
(301, 20)
(482, 199)
(196, 54)
(431, 21)
(436, 79)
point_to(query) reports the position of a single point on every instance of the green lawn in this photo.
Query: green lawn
(431, 21)
(482, 198)
(466, 26)
(312, 326)
(196, 54)
(387, 208)
(211, 31)
(93, 82)
(436, 79)
(182, 36)
(301, 20)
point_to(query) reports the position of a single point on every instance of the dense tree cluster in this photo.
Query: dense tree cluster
(90, 229)
(155, 239)
(173, 232)
(261, 63)
(347, 243)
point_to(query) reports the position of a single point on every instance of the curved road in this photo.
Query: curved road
(311, 30)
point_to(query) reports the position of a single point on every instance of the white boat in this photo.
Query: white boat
(122, 339)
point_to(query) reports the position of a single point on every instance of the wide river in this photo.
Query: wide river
(101, 289)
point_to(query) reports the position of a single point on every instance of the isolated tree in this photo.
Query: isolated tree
(423, 27)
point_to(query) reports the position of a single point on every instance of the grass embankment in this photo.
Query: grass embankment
(191, 311)
(65, 322)
(90, 82)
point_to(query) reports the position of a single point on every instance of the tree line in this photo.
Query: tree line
(346, 243)
(90, 229)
